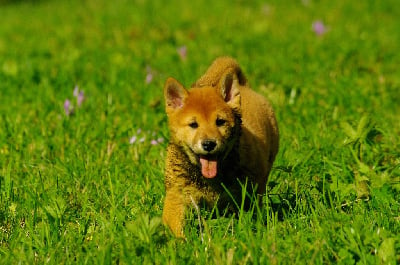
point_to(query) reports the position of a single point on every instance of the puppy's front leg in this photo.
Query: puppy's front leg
(174, 212)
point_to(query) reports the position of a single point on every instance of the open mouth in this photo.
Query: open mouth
(209, 166)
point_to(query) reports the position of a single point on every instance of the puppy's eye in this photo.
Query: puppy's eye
(219, 122)
(193, 125)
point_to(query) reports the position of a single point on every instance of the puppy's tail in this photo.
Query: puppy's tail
(219, 67)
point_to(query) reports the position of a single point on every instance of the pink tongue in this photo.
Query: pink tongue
(208, 167)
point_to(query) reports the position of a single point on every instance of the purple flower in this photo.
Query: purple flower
(149, 78)
(319, 27)
(76, 91)
(157, 141)
(79, 95)
(133, 139)
(80, 98)
(149, 75)
(68, 107)
(182, 52)
(140, 137)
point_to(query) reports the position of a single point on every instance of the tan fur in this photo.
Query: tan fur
(220, 108)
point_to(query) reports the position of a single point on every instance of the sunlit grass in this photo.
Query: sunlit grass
(82, 181)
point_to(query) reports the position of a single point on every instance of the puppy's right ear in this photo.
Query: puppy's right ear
(230, 91)
(175, 95)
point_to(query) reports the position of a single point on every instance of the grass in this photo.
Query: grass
(80, 188)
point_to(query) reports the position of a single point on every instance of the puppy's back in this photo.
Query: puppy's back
(219, 67)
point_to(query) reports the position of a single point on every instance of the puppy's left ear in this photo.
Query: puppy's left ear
(175, 95)
(230, 90)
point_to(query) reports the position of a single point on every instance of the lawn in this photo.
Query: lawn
(83, 130)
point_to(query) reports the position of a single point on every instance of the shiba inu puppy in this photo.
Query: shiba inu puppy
(222, 134)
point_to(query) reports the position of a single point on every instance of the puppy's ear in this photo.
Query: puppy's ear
(230, 91)
(175, 95)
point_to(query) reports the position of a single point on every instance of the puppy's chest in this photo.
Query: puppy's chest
(218, 191)
(227, 178)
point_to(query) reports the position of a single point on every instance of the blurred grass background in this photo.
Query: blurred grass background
(88, 187)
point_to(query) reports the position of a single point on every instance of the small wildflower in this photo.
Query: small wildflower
(149, 75)
(149, 78)
(133, 139)
(80, 98)
(157, 141)
(141, 137)
(319, 28)
(68, 107)
(76, 91)
(182, 52)
(79, 95)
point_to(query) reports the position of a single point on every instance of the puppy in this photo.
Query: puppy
(222, 135)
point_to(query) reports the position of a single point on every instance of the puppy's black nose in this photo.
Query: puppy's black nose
(208, 145)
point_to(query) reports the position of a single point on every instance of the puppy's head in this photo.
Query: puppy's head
(204, 121)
